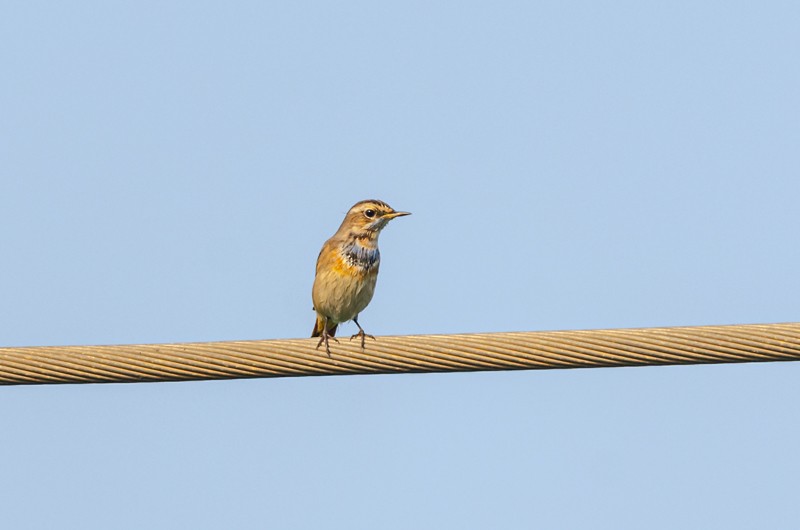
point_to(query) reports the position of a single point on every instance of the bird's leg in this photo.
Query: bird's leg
(361, 333)
(324, 337)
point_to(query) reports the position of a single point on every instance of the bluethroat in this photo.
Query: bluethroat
(347, 269)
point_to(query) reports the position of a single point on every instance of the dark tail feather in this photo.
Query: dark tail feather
(319, 324)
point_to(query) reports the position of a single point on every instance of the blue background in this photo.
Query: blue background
(169, 171)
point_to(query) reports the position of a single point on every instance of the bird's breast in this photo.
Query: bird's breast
(345, 282)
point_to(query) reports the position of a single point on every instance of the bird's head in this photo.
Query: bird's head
(369, 217)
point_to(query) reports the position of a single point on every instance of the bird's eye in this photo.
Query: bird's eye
(370, 213)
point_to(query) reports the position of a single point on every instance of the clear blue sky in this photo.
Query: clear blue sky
(169, 171)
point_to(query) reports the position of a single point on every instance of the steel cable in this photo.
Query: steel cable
(401, 354)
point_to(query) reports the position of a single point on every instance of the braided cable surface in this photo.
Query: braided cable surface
(401, 354)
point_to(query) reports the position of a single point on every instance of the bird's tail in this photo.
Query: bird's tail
(320, 324)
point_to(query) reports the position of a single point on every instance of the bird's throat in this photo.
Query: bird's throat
(362, 256)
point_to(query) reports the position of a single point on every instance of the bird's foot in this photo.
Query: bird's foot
(324, 338)
(363, 337)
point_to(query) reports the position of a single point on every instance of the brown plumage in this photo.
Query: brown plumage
(319, 324)
(347, 269)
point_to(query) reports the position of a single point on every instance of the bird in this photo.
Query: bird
(347, 270)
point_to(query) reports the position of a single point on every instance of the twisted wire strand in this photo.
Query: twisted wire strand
(401, 354)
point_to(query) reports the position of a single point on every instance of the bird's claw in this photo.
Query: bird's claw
(363, 337)
(324, 338)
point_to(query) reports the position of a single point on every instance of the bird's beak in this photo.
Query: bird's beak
(396, 214)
